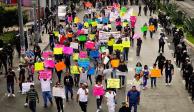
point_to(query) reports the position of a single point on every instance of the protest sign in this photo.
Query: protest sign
(105, 20)
(98, 91)
(76, 20)
(103, 49)
(82, 38)
(57, 51)
(125, 24)
(104, 36)
(144, 28)
(59, 46)
(99, 26)
(75, 69)
(106, 60)
(91, 71)
(49, 63)
(151, 28)
(94, 24)
(56, 33)
(126, 43)
(60, 66)
(92, 36)
(74, 45)
(86, 24)
(39, 66)
(155, 73)
(26, 86)
(94, 54)
(90, 45)
(119, 73)
(59, 92)
(83, 54)
(118, 47)
(113, 83)
(75, 56)
(114, 63)
(123, 9)
(46, 74)
(46, 54)
(68, 50)
(83, 63)
(136, 36)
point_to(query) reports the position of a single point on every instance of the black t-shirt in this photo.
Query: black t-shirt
(10, 77)
(169, 68)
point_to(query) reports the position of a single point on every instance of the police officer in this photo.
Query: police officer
(188, 72)
(192, 86)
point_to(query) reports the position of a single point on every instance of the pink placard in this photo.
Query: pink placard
(49, 63)
(136, 36)
(70, 18)
(117, 23)
(90, 45)
(133, 18)
(67, 50)
(83, 54)
(46, 74)
(98, 91)
(46, 54)
(59, 46)
(79, 32)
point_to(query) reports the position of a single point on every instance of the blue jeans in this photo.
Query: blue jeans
(68, 89)
(46, 95)
(134, 105)
(153, 81)
(10, 87)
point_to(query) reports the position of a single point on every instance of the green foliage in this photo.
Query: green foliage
(8, 37)
(190, 38)
(189, 25)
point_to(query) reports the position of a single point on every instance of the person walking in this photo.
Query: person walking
(139, 12)
(10, 82)
(110, 98)
(31, 98)
(124, 107)
(145, 76)
(37, 52)
(126, 50)
(122, 68)
(139, 43)
(161, 61)
(68, 82)
(192, 86)
(82, 97)
(169, 71)
(145, 9)
(99, 97)
(46, 91)
(21, 76)
(133, 98)
(153, 77)
(161, 43)
(59, 100)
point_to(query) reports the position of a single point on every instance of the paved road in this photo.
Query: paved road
(160, 99)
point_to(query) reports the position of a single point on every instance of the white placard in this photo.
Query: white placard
(26, 87)
(74, 45)
(119, 73)
(104, 36)
(58, 91)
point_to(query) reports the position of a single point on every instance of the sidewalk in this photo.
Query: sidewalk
(162, 98)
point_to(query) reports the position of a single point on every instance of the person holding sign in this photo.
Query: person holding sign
(59, 100)
(126, 49)
(154, 74)
(68, 82)
(77, 75)
(99, 97)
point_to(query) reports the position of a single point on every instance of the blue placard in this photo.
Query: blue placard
(97, 20)
(83, 63)
(104, 20)
(94, 54)
(91, 71)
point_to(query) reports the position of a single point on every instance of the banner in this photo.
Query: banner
(118, 47)
(60, 66)
(113, 83)
(49, 63)
(83, 54)
(46, 74)
(104, 36)
(114, 63)
(26, 86)
(126, 43)
(68, 50)
(59, 92)
(75, 69)
(58, 51)
(39, 66)
(155, 73)
(98, 91)
(94, 54)
(74, 45)
(75, 56)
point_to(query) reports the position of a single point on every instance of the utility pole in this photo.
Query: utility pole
(39, 23)
(35, 22)
(21, 27)
(57, 18)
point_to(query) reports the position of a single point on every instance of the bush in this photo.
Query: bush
(8, 37)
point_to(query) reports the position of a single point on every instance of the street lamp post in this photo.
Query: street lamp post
(21, 27)
(39, 23)
(35, 22)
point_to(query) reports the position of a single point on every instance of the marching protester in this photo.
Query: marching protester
(124, 107)
(138, 49)
(68, 82)
(146, 74)
(99, 98)
(133, 98)
(110, 98)
(21, 78)
(59, 100)
(161, 62)
(10, 82)
(153, 77)
(161, 43)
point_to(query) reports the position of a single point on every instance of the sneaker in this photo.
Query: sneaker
(169, 84)
(8, 94)
(166, 84)
(13, 95)
(100, 107)
(98, 110)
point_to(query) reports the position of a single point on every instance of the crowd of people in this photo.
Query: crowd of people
(93, 50)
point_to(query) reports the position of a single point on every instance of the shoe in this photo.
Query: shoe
(8, 94)
(169, 84)
(98, 110)
(100, 107)
(13, 95)
(166, 84)
(45, 106)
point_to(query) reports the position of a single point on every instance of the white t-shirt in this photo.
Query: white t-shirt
(83, 77)
(137, 84)
(110, 98)
(45, 85)
(82, 95)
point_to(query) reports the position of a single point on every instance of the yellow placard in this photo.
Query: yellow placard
(109, 26)
(155, 73)
(94, 24)
(56, 33)
(113, 83)
(126, 43)
(38, 66)
(86, 24)
(115, 63)
(76, 20)
(57, 50)
(111, 42)
(75, 69)
(92, 36)
(75, 56)
(118, 47)
(125, 24)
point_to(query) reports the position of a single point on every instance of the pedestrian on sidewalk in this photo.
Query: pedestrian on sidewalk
(59, 100)
(68, 82)
(99, 98)
(124, 107)
(161, 61)
(153, 77)
(21, 76)
(31, 98)
(110, 98)
(82, 97)
(139, 12)
(138, 49)
(10, 82)
(169, 71)
(161, 43)
(145, 9)
(46, 91)
(133, 98)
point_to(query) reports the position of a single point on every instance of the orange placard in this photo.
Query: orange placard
(60, 66)
(151, 28)
(155, 73)
(69, 35)
(114, 63)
